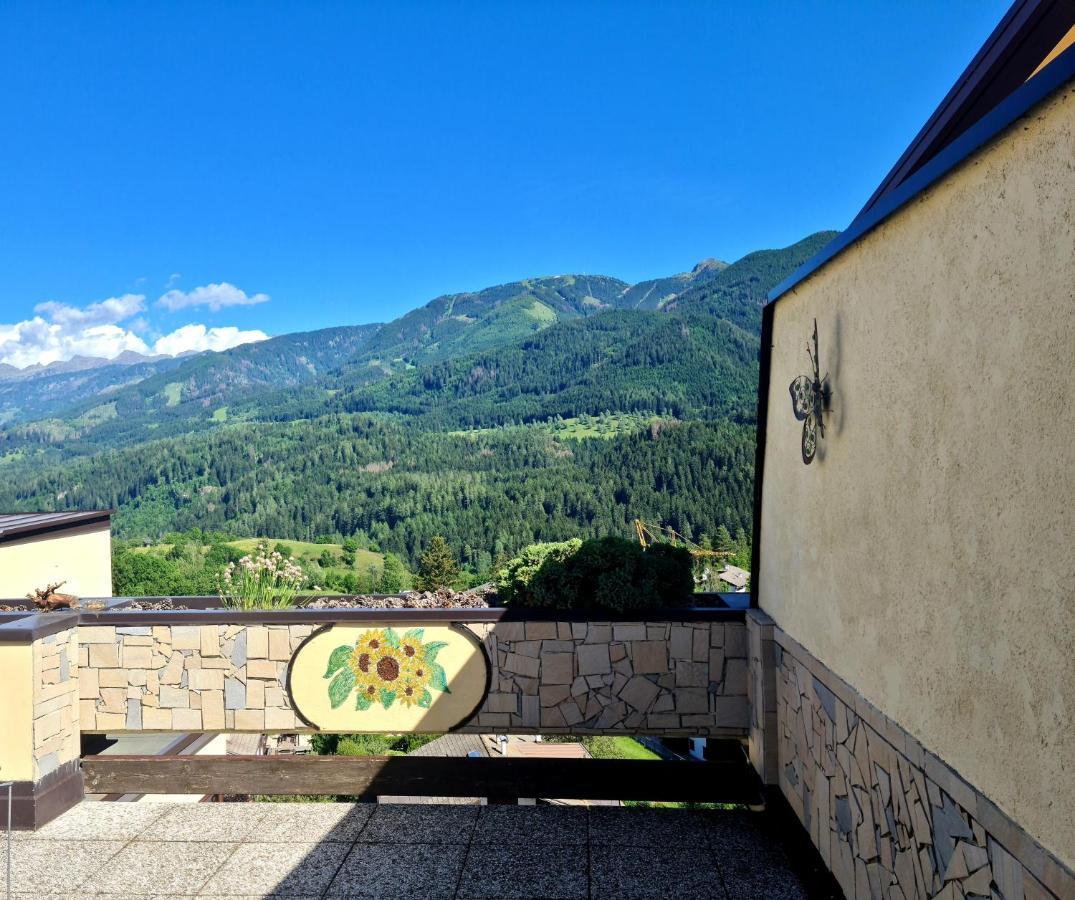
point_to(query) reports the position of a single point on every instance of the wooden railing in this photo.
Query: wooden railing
(723, 781)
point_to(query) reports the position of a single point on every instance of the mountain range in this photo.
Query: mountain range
(506, 366)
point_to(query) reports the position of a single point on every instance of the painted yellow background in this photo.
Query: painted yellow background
(16, 713)
(464, 666)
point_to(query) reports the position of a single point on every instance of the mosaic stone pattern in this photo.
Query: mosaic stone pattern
(616, 677)
(890, 819)
(187, 677)
(55, 680)
(578, 677)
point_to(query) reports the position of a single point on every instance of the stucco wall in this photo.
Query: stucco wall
(927, 556)
(82, 557)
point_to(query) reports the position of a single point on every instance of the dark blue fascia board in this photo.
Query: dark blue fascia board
(1013, 107)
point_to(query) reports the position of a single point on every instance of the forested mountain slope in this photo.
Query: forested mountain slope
(398, 485)
(444, 421)
(51, 390)
(458, 324)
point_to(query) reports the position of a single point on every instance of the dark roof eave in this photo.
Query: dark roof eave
(45, 526)
(1013, 107)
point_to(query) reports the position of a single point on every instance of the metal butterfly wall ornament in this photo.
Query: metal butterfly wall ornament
(810, 396)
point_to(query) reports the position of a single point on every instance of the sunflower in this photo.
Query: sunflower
(384, 666)
(372, 641)
(414, 687)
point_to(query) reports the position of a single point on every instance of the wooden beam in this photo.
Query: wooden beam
(567, 779)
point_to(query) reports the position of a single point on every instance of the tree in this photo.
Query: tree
(437, 567)
(394, 576)
(724, 540)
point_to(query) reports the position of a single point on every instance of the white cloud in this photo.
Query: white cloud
(68, 331)
(198, 338)
(215, 296)
(59, 331)
(106, 312)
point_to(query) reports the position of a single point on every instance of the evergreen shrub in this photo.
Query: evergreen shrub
(608, 573)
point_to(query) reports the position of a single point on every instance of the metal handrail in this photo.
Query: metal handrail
(9, 785)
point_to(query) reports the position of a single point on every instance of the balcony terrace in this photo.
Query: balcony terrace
(301, 851)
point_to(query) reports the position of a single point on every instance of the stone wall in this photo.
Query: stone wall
(889, 818)
(55, 711)
(579, 677)
(616, 677)
(187, 677)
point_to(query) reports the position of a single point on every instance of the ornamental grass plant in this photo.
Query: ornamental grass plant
(262, 580)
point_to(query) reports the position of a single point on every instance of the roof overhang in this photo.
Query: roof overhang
(31, 524)
(1029, 55)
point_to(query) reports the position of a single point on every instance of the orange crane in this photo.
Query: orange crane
(666, 534)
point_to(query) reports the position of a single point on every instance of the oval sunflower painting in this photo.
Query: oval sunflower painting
(388, 679)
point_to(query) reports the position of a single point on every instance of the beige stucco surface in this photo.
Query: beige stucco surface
(82, 557)
(927, 556)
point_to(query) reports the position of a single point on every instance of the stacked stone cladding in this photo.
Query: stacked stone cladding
(596, 677)
(890, 819)
(55, 710)
(187, 677)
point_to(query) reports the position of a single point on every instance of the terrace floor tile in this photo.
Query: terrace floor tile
(513, 872)
(308, 822)
(97, 821)
(399, 871)
(275, 868)
(44, 867)
(559, 825)
(640, 827)
(206, 822)
(633, 873)
(413, 823)
(159, 867)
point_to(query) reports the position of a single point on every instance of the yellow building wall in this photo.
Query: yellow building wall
(927, 555)
(80, 556)
(16, 712)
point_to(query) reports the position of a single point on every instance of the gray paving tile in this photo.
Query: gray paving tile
(633, 873)
(275, 868)
(412, 823)
(773, 884)
(312, 822)
(634, 827)
(560, 825)
(752, 861)
(99, 821)
(160, 867)
(524, 871)
(394, 871)
(43, 867)
(206, 822)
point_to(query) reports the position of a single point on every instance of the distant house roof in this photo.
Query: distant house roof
(735, 576)
(21, 525)
(1029, 55)
(545, 750)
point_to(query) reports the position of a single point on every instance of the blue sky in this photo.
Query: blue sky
(351, 161)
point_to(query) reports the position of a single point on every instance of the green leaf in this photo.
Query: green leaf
(433, 648)
(437, 679)
(387, 697)
(425, 699)
(363, 702)
(338, 659)
(340, 687)
(414, 634)
(391, 638)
